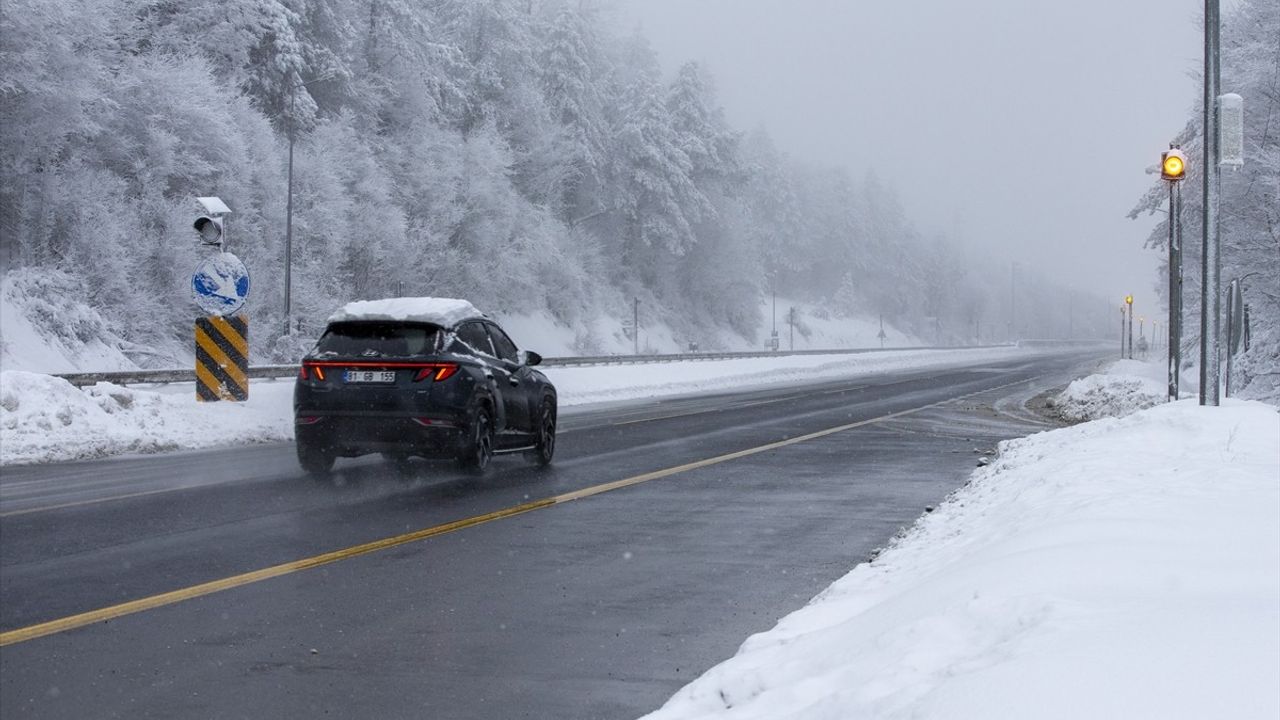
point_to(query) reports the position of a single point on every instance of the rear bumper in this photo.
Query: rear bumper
(350, 434)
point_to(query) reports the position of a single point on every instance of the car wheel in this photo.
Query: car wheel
(477, 448)
(317, 461)
(545, 434)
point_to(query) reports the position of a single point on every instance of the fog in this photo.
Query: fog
(1023, 130)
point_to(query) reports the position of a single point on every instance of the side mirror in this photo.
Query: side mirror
(529, 357)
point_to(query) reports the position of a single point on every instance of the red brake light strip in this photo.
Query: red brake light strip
(436, 371)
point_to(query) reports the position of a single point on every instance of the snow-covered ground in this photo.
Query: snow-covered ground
(1122, 568)
(43, 418)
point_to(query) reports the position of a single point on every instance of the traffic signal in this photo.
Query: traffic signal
(1173, 165)
(210, 229)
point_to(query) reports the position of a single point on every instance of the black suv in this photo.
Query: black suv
(420, 384)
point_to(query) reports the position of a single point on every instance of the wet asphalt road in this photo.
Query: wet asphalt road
(599, 607)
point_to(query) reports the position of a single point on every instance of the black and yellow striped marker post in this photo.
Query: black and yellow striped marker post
(222, 359)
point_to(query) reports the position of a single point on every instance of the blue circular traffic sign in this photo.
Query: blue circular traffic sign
(220, 284)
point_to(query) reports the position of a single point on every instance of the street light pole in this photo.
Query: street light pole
(288, 230)
(1130, 332)
(1122, 311)
(1013, 299)
(1128, 301)
(1210, 261)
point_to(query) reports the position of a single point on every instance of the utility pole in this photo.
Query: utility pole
(1210, 261)
(791, 320)
(288, 228)
(635, 325)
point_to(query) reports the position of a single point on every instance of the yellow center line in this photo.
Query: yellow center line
(80, 620)
(188, 593)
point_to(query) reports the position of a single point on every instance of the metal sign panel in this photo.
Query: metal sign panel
(222, 359)
(220, 284)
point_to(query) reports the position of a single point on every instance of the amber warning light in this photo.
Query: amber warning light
(1173, 165)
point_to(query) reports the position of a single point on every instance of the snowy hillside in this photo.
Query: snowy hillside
(46, 326)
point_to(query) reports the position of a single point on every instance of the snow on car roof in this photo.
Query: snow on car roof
(445, 312)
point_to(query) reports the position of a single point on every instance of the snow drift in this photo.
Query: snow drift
(1126, 387)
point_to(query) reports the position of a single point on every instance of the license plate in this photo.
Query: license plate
(369, 376)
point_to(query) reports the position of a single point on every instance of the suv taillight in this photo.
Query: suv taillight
(436, 371)
(309, 369)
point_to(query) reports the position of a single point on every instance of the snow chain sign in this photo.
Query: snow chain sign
(222, 358)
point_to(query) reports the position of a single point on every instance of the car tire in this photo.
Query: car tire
(316, 461)
(477, 446)
(544, 446)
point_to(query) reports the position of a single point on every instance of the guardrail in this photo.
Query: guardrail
(272, 372)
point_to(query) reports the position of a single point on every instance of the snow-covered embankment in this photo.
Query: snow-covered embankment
(1121, 568)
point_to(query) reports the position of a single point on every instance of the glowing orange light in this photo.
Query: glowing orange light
(1173, 165)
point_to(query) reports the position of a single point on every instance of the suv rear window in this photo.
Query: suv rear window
(373, 339)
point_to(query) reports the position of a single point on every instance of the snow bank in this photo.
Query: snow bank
(46, 419)
(1122, 568)
(1127, 386)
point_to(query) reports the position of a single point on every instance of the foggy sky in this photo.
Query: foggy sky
(1021, 128)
